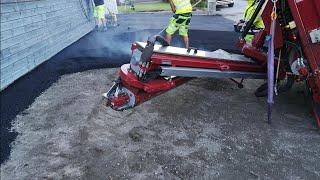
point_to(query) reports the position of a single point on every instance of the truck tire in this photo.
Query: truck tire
(230, 5)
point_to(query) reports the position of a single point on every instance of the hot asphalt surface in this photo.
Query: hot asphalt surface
(205, 129)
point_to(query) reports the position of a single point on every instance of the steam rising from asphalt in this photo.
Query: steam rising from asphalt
(116, 47)
(113, 46)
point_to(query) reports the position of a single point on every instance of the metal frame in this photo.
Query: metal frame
(176, 66)
(210, 73)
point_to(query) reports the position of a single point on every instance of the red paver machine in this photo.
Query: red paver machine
(156, 67)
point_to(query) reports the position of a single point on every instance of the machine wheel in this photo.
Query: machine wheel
(284, 85)
(240, 86)
(230, 5)
(316, 113)
(315, 106)
(262, 91)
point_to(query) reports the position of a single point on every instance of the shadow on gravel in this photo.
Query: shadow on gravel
(93, 51)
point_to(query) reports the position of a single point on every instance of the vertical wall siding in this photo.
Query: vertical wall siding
(35, 30)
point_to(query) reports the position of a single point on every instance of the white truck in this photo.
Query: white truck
(228, 3)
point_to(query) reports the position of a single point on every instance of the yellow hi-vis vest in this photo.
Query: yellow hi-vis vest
(182, 6)
(251, 7)
(258, 23)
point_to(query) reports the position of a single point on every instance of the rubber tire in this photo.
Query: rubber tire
(231, 5)
(262, 91)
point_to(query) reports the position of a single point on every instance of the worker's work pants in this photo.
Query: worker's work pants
(99, 12)
(179, 22)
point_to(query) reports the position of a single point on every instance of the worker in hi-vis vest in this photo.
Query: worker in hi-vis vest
(258, 23)
(99, 13)
(182, 10)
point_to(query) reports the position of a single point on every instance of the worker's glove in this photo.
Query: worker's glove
(239, 26)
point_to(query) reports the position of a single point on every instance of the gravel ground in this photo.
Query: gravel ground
(205, 129)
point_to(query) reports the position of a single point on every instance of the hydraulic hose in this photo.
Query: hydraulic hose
(296, 47)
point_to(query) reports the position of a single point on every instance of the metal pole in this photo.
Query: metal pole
(211, 7)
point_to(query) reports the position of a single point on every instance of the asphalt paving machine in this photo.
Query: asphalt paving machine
(287, 50)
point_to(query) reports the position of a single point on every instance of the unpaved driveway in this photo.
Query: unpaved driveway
(205, 129)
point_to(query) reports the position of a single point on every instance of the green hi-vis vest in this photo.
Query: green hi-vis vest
(182, 6)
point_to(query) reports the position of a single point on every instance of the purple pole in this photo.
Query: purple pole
(271, 70)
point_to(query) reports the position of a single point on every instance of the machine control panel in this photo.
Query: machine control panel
(315, 35)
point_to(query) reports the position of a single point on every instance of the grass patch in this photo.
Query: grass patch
(146, 7)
